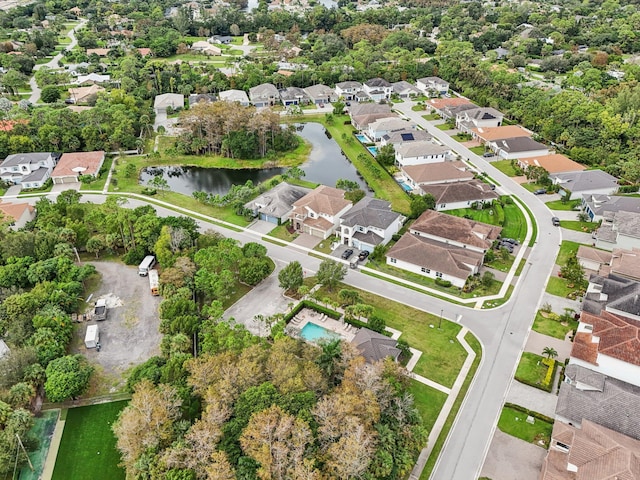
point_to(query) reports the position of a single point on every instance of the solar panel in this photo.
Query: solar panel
(407, 136)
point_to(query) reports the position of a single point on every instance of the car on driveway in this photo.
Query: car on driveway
(507, 246)
(512, 241)
(347, 253)
(555, 221)
(362, 256)
(488, 154)
(540, 191)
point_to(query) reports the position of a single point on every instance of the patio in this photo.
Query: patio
(346, 331)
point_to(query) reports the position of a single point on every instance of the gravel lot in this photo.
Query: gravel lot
(129, 335)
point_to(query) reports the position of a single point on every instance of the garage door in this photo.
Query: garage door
(268, 218)
(68, 179)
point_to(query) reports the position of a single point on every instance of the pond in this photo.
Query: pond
(326, 165)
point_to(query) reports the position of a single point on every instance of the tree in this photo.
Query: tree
(291, 277)
(50, 94)
(573, 272)
(386, 155)
(295, 172)
(95, 244)
(549, 352)
(487, 279)
(331, 273)
(421, 203)
(67, 377)
(159, 182)
(338, 108)
(350, 297)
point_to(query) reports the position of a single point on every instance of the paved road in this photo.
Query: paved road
(53, 63)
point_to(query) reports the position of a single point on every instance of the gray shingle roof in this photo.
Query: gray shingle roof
(469, 191)
(617, 292)
(369, 108)
(264, 91)
(370, 212)
(406, 135)
(25, 159)
(377, 82)
(600, 203)
(293, 93)
(586, 180)
(421, 148)
(520, 144)
(375, 346)
(279, 200)
(37, 175)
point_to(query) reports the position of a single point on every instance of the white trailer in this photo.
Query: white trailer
(154, 282)
(92, 337)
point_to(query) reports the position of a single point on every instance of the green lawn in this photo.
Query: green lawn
(98, 184)
(282, 233)
(578, 226)
(428, 401)
(442, 355)
(499, 264)
(431, 116)
(479, 150)
(552, 327)
(559, 287)
(446, 126)
(88, 446)
(563, 206)
(505, 167)
(514, 423)
(567, 249)
(418, 108)
(515, 224)
(531, 370)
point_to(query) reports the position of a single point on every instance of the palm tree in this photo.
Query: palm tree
(550, 352)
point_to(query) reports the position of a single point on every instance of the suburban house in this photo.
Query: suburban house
(492, 134)
(405, 90)
(347, 90)
(293, 96)
(586, 182)
(437, 105)
(166, 100)
(625, 263)
(101, 52)
(518, 147)
(239, 96)
(321, 94)
(206, 48)
(451, 196)
(592, 396)
(92, 79)
(593, 259)
(451, 112)
(362, 122)
(30, 170)
(478, 118)
(318, 213)
(405, 135)
(383, 126)
(18, 214)
(429, 173)
(416, 153)
(374, 346)
(442, 246)
(619, 230)
(592, 452)
(264, 95)
(369, 109)
(554, 163)
(432, 86)
(598, 205)
(85, 94)
(201, 98)
(72, 165)
(612, 293)
(378, 89)
(275, 206)
(369, 223)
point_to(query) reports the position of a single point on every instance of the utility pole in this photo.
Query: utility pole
(440, 321)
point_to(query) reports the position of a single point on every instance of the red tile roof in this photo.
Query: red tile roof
(78, 163)
(619, 337)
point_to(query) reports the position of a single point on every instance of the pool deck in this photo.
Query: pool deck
(306, 315)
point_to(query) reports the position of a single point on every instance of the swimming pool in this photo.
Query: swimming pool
(405, 187)
(362, 138)
(373, 150)
(312, 333)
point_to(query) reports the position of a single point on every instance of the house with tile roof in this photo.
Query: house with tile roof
(293, 96)
(598, 205)
(239, 96)
(321, 94)
(609, 343)
(404, 89)
(318, 213)
(593, 258)
(619, 230)
(491, 134)
(376, 130)
(625, 263)
(374, 346)
(264, 95)
(417, 176)
(437, 105)
(518, 147)
(101, 52)
(586, 182)
(405, 135)
(85, 94)
(483, 117)
(166, 100)
(592, 452)
(72, 165)
(31, 170)
(553, 163)
(442, 246)
(433, 86)
(347, 90)
(369, 223)
(378, 89)
(275, 205)
(17, 214)
(452, 196)
(418, 153)
(592, 396)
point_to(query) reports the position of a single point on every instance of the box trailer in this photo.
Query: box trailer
(92, 337)
(146, 265)
(154, 283)
(100, 310)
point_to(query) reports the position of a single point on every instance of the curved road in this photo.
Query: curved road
(53, 63)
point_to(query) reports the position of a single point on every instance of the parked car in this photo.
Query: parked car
(540, 191)
(347, 253)
(488, 154)
(363, 255)
(556, 222)
(507, 246)
(511, 241)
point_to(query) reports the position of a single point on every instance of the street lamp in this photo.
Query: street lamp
(440, 321)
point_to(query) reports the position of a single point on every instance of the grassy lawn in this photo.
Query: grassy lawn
(499, 264)
(461, 137)
(88, 446)
(418, 108)
(552, 327)
(563, 206)
(431, 116)
(428, 401)
(559, 287)
(567, 250)
(514, 423)
(98, 184)
(505, 167)
(515, 225)
(446, 126)
(442, 355)
(325, 247)
(26, 192)
(479, 150)
(282, 233)
(578, 226)
(531, 370)
(435, 453)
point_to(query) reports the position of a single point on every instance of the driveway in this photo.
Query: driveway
(307, 241)
(532, 398)
(510, 458)
(129, 335)
(61, 187)
(261, 226)
(537, 342)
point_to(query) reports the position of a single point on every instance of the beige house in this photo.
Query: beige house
(18, 214)
(318, 213)
(85, 94)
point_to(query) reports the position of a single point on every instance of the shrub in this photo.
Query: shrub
(628, 188)
(149, 191)
(395, 237)
(443, 283)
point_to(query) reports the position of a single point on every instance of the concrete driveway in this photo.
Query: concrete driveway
(510, 458)
(261, 226)
(61, 187)
(308, 241)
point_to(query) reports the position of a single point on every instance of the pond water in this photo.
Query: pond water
(326, 165)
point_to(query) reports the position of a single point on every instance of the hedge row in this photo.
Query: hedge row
(313, 306)
(537, 415)
(547, 387)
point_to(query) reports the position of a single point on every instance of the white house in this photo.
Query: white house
(348, 90)
(586, 182)
(206, 48)
(166, 100)
(416, 153)
(405, 90)
(417, 176)
(31, 170)
(369, 223)
(239, 96)
(452, 196)
(406, 135)
(383, 126)
(619, 230)
(478, 118)
(321, 94)
(433, 86)
(264, 95)
(378, 89)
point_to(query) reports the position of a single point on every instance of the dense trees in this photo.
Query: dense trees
(67, 377)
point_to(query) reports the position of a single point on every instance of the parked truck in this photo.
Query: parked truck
(100, 310)
(154, 284)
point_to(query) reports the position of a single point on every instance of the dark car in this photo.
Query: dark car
(555, 221)
(363, 255)
(506, 246)
(488, 155)
(347, 253)
(348, 104)
(540, 191)
(511, 241)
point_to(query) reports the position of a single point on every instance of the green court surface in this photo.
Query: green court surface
(42, 430)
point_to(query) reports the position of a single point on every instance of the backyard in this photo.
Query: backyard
(88, 446)
(514, 225)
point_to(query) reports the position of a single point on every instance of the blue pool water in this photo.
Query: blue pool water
(405, 187)
(362, 138)
(373, 150)
(312, 333)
